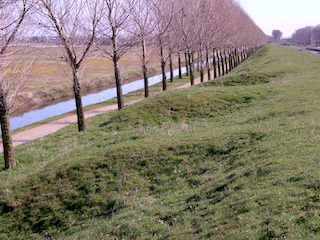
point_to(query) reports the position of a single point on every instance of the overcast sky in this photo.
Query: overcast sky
(285, 15)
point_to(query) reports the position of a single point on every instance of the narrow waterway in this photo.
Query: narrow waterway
(68, 106)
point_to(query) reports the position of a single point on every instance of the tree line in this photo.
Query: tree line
(211, 36)
(309, 35)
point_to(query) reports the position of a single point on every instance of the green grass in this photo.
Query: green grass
(139, 94)
(230, 161)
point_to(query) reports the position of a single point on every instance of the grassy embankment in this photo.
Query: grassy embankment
(139, 94)
(238, 161)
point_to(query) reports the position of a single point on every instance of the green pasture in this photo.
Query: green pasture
(233, 158)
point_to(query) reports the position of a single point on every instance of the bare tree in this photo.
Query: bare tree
(75, 22)
(12, 16)
(203, 32)
(143, 28)
(14, 68)
(163, 14)
(185, 22)
(277, 34)
(115, 24)
(315, 35)
(303, 35)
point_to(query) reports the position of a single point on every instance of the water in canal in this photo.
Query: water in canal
(67, 106)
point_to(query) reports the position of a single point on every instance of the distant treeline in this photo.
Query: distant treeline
(307, 36)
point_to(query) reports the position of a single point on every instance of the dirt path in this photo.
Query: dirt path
(51, 127)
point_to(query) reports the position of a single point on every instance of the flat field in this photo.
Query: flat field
(49, 77)
(233, 158)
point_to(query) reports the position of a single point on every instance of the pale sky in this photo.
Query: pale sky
(285, 15)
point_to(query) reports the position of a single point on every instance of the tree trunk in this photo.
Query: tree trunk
(201, 65)
(179, 63)
(145, 69)
(243, 55)
(191, 68)
(192, 58)
(222, 57)
(115, 59)
(208, 63)
(78, 99)
(219, 63)
(163, 70)
(187, 63)
(198, 62)
(214, 62)
(231, 59)
(226, 54)
(171, 67)
(8, 153)
(245, 51)
(237, 58)
(118, 83)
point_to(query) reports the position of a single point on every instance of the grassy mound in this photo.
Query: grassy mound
(231, 162)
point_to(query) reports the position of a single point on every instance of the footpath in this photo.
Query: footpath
(45, 129)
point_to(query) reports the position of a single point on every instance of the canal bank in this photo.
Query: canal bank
(63, 107)
(47, 128)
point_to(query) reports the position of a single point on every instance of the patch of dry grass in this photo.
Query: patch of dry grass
(51, 75)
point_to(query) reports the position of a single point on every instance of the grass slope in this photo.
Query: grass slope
(223, 160)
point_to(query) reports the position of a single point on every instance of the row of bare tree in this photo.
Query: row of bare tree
(307, 36)
(212, 34)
